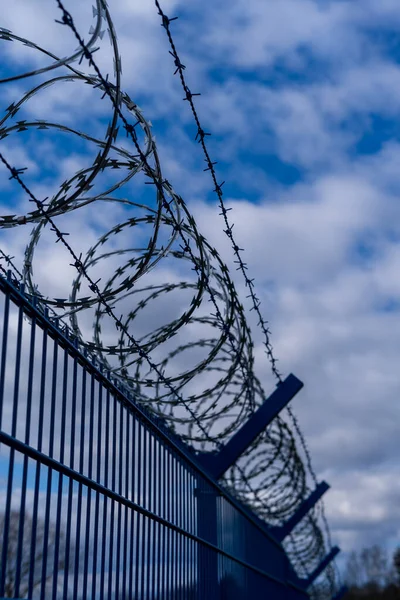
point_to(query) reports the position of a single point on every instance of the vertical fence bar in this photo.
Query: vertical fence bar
(174, 533)
(154, 473)
(7, 512)
(106, 501)
(139, 498)
(51, 453)
(113, 452)
(4, 344)
(137, 519)
(159, 511)
(31, 581)
(67, 558)
(207, 529)
(124, 490)
(62, 458)
(22, 513)
(169, 518)
(130, 449)
(120, 576)
(163, 513)
(89, 501)
(80, 489)
(132, 591)
(149, 503)
(182, 539)
(144, 501)
(193, 529)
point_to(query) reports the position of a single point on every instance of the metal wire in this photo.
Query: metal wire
(242, 266)
(271, 476)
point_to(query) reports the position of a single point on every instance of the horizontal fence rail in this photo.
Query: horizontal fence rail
(99, 499)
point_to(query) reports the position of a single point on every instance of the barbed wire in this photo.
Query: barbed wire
(231, 397)
(249, 283)
(200, 137)
(9, 262)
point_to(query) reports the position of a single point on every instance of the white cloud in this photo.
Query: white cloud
(276, 30)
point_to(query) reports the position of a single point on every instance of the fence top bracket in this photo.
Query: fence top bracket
(218, 463)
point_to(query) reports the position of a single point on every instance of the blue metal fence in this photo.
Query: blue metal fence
(99, 500)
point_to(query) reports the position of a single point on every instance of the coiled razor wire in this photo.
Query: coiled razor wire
(195, 369)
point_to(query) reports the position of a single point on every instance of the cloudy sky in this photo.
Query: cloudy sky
(302, 98)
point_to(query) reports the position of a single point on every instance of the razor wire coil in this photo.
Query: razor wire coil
(270, 476)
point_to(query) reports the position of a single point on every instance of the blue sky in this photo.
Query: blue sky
(302, 98)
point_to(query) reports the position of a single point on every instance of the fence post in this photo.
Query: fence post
(218, 463)
(207, 529)
(322, 565)
(281, 532)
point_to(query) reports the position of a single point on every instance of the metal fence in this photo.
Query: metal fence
(98, 498)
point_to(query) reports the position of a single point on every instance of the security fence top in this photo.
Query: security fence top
(65, 340)
(126, 397)
(219, 462)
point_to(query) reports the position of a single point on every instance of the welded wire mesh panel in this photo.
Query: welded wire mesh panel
(98, 499)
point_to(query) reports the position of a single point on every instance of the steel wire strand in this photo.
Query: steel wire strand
(201, 134)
